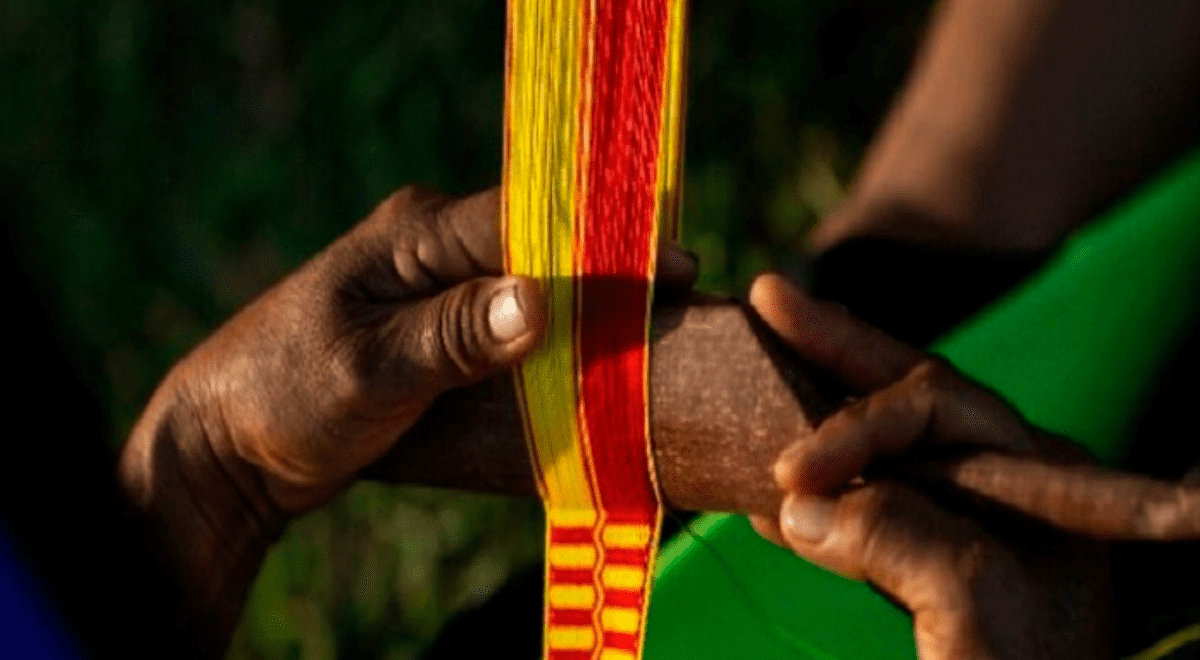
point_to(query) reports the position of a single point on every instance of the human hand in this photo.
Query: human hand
(321, 375)
(980, 582)
(284, 405)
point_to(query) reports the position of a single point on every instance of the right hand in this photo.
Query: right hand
(978, 584)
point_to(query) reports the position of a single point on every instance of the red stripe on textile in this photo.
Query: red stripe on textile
(572, 535)
(570, 617)
(625, 556)
(624, 641)
(626, 111)
(569, 655)
(615, 598)
(572, 576)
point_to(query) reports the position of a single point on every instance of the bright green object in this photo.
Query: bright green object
(1075, 349)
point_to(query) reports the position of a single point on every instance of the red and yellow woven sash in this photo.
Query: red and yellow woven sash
(591, 169)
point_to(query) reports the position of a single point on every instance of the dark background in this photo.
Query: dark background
(162, 162)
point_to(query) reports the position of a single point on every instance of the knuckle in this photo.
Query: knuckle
(395, 205)
(412, 255)
(867, 544)
(458, 339)
(932, 374)
(882, 499)
(908, 543)
(893, 534)
(793, 470)
(855, 411)
(972, 559)
(408, 223)
(408, 203)
(877, 508)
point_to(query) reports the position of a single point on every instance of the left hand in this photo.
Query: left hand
(278, 410)
(283, 406)
(979, 584)
(323, 373)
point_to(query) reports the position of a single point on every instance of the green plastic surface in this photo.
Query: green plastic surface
(1075, 349)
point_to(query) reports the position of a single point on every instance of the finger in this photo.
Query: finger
(827, 233)
(469, 233)
(676, 271)
(1080, 498)
(827, 335)
(477, 329)
(418, 242)
(890, 535)
(929, 404)
(471, 225)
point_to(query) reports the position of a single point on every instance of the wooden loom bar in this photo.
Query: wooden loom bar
(725, 398)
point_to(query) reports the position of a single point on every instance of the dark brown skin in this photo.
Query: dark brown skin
(1021, 119)
(711, 355)
(331, 372)
(280, 409)
(980, 581)
(974, 545)
(726, 398)
(348, 368)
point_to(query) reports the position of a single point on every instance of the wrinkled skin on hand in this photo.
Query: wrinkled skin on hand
(319, 376)
(289, 401)
(322, 374)
(980, 582)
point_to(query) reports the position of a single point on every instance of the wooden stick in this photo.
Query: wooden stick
(727, 398)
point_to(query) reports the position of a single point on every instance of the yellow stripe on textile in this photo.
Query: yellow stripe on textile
(570, 638)
(572, 597)
(620, 619)
(670, 173)
(539, 205)
(593, 114)
(629, 578)
(626, 536)
(574, 555)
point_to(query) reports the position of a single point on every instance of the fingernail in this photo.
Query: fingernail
(506, 319)
(808, 519)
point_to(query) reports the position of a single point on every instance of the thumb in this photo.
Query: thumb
(892, 536)
(470, 332)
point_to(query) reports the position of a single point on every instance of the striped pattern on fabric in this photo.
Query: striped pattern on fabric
(593, 114)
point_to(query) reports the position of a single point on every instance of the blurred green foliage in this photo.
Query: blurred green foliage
(164, 161)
